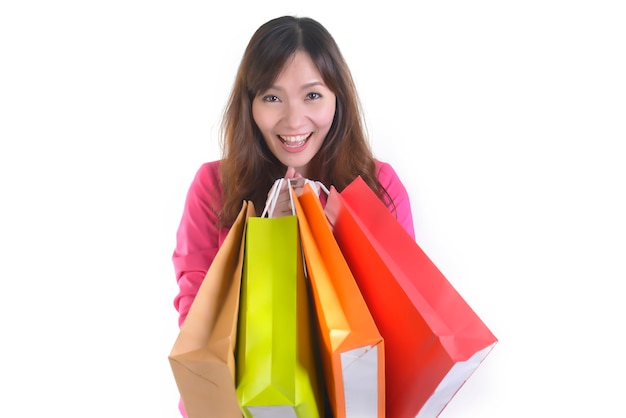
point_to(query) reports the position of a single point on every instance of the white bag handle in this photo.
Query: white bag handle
(316, 185)
(272, 198)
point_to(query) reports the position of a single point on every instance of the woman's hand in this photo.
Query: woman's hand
(283, 203)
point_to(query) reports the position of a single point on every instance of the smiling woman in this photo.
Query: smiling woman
(296, 113)
(293, 112)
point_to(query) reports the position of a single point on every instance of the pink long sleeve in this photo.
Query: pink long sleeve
(198, 237)
(398, 193)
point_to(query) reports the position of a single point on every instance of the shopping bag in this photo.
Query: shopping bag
(277, 369)
(352, 347)
(434, 340)
(203, 356)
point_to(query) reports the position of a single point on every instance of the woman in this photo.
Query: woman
(293, 112)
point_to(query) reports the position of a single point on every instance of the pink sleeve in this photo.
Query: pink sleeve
(198, 237)
(398, 194)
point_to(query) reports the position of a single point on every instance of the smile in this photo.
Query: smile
(295, 141)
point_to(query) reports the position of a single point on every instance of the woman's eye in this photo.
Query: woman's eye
(270, 98)
(313, 96)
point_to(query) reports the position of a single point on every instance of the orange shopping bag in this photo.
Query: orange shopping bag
(434, 341)
(352, 348)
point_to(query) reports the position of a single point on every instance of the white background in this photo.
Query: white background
(505, 120)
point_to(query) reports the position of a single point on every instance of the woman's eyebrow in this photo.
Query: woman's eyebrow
(312, 84)
(304, 86)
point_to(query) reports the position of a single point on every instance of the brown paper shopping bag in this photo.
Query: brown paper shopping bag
(202, 359)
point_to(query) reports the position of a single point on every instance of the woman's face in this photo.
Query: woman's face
(295, 114)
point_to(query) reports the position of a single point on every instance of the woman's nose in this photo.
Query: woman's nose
(294, 115)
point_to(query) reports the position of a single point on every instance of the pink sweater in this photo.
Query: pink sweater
(198, 238)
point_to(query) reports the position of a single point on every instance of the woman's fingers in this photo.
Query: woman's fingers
(284, 205)
(291, 173)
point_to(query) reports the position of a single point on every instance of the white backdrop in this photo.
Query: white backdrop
(505, 120)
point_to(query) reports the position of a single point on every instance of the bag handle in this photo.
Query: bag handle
(316, 185)
(272, 198)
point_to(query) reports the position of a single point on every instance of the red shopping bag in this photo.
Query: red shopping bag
(434, 341)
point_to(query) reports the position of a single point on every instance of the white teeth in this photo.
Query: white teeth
(293, 139)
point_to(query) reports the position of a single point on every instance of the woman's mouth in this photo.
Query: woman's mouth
(295, 141)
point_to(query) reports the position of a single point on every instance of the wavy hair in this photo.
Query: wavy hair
(248, 168)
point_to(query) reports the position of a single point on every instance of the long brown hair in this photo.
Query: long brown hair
(248, 168)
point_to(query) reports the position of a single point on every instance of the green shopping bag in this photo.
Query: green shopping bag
(277, 368)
